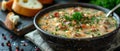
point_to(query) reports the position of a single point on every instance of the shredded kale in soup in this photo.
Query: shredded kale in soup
(77, 22)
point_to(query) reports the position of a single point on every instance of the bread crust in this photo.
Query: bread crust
(29, 12)
(46, 1)
(8, 23)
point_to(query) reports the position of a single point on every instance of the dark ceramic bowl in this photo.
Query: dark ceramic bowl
(91, 44)
(65, 1)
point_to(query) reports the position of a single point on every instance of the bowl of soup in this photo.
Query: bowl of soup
(77, 26)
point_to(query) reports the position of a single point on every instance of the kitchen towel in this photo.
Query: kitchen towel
(35, 37)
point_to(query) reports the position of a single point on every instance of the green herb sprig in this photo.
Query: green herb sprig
(77, 16)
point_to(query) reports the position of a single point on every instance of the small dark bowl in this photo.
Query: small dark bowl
(76, 44)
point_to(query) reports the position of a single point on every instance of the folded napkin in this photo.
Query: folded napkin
(35, 37)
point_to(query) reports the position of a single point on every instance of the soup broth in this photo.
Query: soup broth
(77, 22)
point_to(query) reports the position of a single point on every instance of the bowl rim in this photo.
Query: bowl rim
(93, 38)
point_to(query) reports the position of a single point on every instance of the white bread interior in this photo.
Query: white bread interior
(14, 18)
(26, 7)
(11, 20)
(33, 4)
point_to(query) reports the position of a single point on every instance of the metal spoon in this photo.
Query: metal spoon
(113, 10)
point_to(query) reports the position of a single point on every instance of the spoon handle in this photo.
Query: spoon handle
(113, 10)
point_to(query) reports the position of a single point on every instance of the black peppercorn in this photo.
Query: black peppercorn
(2, 34)
(22, 50)
(2, 44)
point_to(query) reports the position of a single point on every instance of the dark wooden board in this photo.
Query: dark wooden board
(23, 23)
(23, 20)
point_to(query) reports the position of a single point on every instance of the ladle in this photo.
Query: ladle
(111, 11)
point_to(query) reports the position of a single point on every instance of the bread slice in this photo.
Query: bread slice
(3, 5)
(7, 5)
(11, 20)
(26, 7)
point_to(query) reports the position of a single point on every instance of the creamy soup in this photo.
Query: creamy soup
(77, 22)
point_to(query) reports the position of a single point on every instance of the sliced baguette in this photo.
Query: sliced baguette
(26, 7)
(3, 5)
(7, 5)
(11, 20)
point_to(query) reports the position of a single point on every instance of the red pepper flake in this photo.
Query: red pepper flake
(2, 44)
(37, 49)
(56, 14)
(11, 36)
(17, 48)
(4, 37)
(8, 44)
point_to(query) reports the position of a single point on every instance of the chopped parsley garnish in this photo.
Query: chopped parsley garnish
(93, 20)
(67, 18)
(77, 16)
